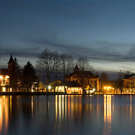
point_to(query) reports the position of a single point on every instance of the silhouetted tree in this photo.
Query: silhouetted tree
(83, 64)
(15, 75)
(56, 65)
(127, 73)
(28, 76)
(120, 80)
(104, 79)
(45, 64)
(66, 65)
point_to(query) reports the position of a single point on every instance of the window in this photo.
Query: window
(3, 81)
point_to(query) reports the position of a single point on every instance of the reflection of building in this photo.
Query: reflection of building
(86, 79)
(68, 107)
(5, 110)
(129, 83)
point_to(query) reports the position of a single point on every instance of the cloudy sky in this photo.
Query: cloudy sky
(102, 31)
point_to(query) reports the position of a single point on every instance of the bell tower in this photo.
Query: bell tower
(10, 65)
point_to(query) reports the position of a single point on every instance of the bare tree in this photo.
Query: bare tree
(56, 64)
(66, 64)
(127, 73)
(104, 79)
(45, 64)
(83, 64)
(120, 80)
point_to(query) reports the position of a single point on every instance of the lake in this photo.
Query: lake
(67, 115)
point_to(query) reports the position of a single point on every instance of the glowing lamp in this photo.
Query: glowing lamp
(49, 87)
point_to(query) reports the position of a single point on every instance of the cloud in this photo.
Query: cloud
(98, 51)
(19, 52)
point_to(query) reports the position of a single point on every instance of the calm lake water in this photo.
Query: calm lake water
(67, 115)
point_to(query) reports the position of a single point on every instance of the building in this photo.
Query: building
(52, 85)
(69, 87)
(4, 80)
(5, 77)
(86, 79)
(129, 84)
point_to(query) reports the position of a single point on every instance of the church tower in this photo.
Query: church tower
(10, 65)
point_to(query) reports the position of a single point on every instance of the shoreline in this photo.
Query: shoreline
(49, 93)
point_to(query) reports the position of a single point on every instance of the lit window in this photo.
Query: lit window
(4, 89)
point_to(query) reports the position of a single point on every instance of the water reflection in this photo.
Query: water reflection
(4, 113)
(67, 107)
(107, 114)
(66, 114)
(130, 108)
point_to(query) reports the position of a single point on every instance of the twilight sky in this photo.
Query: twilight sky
(103, 31)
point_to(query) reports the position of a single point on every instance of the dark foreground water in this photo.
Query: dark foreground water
(67, 115)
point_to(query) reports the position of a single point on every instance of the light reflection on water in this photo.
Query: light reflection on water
(67, 114)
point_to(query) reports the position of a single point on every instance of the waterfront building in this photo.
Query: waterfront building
(129, 84)
(53, 84)
(5, 77)
(4, 80)
(69, 87)
(86, 79)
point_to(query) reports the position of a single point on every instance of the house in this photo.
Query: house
(69, 87)
(5, 77)
(4, 80)
(52, 85)
(86, 79)
(129, 84)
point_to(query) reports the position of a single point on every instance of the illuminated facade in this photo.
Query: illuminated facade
(86, 79)
(4, 80)
(69, 87)
(5, 77)
(129, 84)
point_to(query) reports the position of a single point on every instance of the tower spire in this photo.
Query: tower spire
(11, 59)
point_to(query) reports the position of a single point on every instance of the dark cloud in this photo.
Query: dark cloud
(98, 51)
(22, 52)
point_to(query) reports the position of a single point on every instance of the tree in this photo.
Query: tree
(66, 65)
(29, 76)
(104, 79)
(56, 65)
(84, 64)
(15, 74)
(45, 64)
(120, 80)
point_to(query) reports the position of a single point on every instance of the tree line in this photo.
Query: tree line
(22, 78)
(54, 64)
